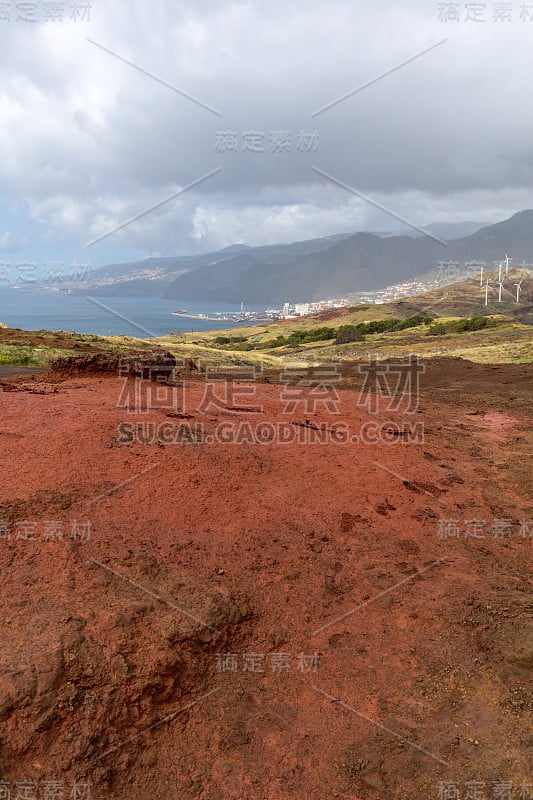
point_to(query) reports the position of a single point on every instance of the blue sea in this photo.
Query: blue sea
(131, 316)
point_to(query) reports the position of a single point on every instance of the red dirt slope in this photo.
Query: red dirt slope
(263, 620)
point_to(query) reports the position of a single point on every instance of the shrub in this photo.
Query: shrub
(461, 325)
(438, 329)
(301, 337)
(229, 339)
(243, 345)
(347, 334)
(354, 333)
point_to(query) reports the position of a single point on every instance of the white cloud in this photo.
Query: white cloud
(10, 243)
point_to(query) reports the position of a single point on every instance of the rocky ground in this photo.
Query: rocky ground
(313, 598)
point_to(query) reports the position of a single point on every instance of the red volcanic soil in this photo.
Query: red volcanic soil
(333, 313)
(188, 616)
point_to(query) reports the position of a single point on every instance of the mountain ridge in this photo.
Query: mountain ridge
(311, 269)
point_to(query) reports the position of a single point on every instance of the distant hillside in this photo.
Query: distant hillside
(310, 270)
(152, 276)
(513, 236)
(362, 262)
(465, 298)
(357, 263)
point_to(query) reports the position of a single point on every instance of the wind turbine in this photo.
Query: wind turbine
(481, 276)
(500, 292)
(518, 289)
(500, 265)
(487, 287)
(506, 263)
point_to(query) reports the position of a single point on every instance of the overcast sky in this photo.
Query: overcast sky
(88, 141)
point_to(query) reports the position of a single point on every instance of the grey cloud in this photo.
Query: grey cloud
(90, 142)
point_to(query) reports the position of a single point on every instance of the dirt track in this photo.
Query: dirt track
(247, 619)
(8, 371)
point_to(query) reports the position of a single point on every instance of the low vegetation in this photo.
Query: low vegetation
(355, 333)
(342, 334)
(453, 321)
(18, 356)
(462, 325)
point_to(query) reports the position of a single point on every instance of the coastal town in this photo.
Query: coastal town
(447, 273)
(443, 274)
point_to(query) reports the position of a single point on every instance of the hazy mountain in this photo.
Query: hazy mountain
(314, 269)
(361, 262)
(513, 236)
(153, 276)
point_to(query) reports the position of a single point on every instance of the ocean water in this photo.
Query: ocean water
(132, 316)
